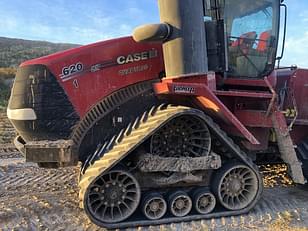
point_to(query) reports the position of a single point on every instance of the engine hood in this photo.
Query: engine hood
(91, 72)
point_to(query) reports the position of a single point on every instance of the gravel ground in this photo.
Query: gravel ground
(47, 199)
(32, 198)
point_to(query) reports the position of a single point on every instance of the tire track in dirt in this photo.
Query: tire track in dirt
(7, 131)
(47, 199)
(7, 134)
(21, 176)
(32, 198)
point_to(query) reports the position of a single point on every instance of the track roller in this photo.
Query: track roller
(180, 204)
(110, 196)
(204, 201)
(235, 185)
(154, 206)
(113, 196)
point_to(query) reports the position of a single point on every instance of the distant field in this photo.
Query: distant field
(15, 51)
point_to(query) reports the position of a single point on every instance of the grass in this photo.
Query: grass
(6, 74)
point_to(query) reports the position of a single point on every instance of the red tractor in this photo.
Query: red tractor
(170, 123)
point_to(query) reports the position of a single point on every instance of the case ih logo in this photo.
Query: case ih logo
(137, 57)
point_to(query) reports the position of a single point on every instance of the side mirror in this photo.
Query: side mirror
(152, 33)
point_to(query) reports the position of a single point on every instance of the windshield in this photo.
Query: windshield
(252, 32)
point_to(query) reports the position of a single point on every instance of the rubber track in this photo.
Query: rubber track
(302, 153)
(129, 139)
(135, 134)
(33, 206)
(107, 105)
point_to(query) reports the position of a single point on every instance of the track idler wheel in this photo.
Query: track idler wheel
(185, 135)
(154, 206)
(113, 196)
(180, 204)
(235, 185)
(204, 201)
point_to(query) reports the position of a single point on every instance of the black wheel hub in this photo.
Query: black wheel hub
(113, 197)
(154, 206)
(183, 136)
(237, 187)
(180, 204)
(114, 193)
(204, 201)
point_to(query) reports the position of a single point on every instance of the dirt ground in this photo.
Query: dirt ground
(47, 199)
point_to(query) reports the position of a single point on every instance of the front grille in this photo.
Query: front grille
(36, 87)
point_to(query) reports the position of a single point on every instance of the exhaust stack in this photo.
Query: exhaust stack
(182, 32)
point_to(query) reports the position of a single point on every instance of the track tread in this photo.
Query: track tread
(302, 153)
(106, 106)
(148, 123)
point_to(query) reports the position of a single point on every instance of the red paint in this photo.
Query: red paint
(244, 94)
(93, 87)
(205, 97)
(246, 112)
(299, 133)
(254, 118)
(234, 81)
(299, 82)
(262, 134)
(241, 110)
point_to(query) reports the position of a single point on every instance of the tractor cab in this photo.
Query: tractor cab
(237, 38)
(251, 30)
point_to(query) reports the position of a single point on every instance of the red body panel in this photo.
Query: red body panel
(296, 99)
(92, 86)
(299, 84)
(205, 97)
(243, 112)
(247, 113)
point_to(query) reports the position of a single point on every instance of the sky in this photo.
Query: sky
(88, 21)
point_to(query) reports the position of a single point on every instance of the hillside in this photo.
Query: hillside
(15, 51)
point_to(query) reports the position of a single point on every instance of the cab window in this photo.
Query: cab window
(252, 28)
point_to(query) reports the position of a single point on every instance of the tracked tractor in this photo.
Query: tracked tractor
(168, 124)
